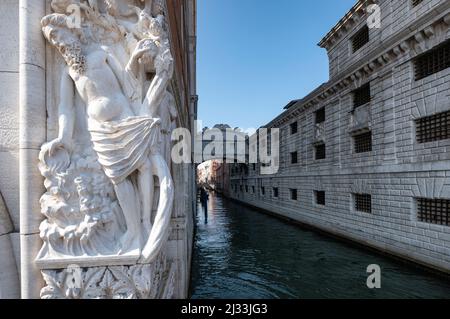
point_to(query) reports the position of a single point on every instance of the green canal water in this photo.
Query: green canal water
(242, 253)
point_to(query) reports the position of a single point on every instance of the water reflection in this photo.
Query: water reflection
(241, 253)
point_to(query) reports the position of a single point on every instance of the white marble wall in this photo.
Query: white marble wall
(24, 125)
(9, 150)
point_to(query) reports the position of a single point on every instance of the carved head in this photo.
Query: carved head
(151, 50)
(67, 40)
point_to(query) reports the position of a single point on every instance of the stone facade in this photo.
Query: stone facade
(30, 78)
(396, 170)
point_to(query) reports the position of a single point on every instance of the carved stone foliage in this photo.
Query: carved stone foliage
(82, 214)
(150, 281)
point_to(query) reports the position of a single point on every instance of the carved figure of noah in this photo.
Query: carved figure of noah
(125, 142)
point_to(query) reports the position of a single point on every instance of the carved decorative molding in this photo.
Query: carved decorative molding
(430, 36)
(150, 281)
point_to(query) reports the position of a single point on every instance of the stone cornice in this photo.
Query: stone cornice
(405, 43)
(344, 25)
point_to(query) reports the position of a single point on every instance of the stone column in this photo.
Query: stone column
(32, 121)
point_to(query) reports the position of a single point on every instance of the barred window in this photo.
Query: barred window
(416, 2)
(263, 191)
(275, 192)
(363, 203)
(293, 194)
(320, 116)
(433, 128)
(320, 197)
(361, 95)
(294, 158)
(433, 61)
(294, 128)
(361, 38)
(433, 211)
(320, 151)
(363, 142)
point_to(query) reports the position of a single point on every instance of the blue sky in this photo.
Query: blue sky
(254, 56)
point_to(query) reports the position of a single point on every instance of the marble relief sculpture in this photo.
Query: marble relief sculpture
(115, 109)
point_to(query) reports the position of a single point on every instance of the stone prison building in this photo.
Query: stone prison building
(366, 156)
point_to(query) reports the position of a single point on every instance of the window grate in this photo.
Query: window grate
(363, 203)
(293, 194)
(433, 61)
(433, 128)
(434, 211)
(294, 158)
(321, 152)
(275, 192)
(320, 116)
(360, 39)
(363, 142)
(294, 128)
(320, 197)
(361, 96)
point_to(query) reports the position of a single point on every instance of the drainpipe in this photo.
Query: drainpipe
(32, 122)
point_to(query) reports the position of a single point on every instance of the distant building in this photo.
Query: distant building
(366, 156)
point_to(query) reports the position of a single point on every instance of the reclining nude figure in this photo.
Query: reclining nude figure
(124, 142)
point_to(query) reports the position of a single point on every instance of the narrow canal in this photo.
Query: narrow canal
(242, 253)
